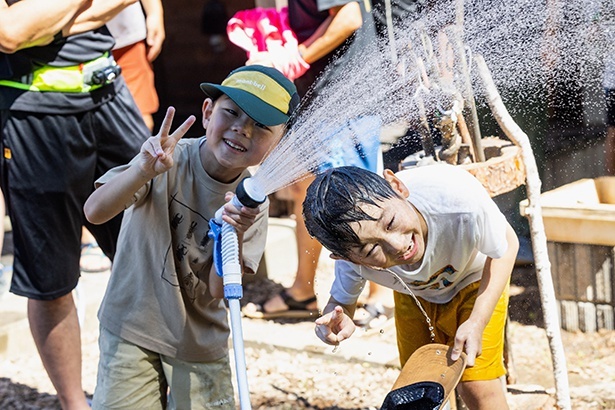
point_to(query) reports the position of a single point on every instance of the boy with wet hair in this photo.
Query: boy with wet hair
(433, 235)
(163, 323)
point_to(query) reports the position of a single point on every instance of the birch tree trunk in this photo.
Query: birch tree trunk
(539, 239)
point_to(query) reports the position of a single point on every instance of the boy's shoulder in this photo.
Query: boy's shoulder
(434, 188)
(187, 146)
(442, 176)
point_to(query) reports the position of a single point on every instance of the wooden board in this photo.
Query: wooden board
(583, 283)
(580, 212)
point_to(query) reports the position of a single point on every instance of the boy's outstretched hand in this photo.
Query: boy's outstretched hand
(156, 156)
(334, 327)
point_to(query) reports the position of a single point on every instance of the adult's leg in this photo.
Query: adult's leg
(308, 249)
(376, 308)
(46, 240)
(55, 329)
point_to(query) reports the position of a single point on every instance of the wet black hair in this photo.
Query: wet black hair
(334, 200)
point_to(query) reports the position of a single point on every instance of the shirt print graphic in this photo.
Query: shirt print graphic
(440, 280)
(190, 250)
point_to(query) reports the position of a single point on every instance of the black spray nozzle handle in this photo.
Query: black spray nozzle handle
(246, 194)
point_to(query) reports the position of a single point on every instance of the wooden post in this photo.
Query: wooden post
(539, 238)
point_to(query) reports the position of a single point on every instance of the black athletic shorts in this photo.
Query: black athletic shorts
(48, 168)
(609, 93)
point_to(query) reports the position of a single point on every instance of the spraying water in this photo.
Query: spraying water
(527, 45)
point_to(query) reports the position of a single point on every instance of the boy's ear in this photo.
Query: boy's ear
(208, 108)
(396, 183)
(336, 257)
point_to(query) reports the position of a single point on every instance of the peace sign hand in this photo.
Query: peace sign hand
(156, 156)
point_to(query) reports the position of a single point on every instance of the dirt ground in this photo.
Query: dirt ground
(285, 379)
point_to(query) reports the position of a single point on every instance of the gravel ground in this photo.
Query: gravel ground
(284, 379)
(290, 379)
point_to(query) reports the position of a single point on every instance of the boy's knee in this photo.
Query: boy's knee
(484, 394)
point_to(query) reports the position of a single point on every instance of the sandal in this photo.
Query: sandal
(369, 313)
(93, 259)
(297, 309)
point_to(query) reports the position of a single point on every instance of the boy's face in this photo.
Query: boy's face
(234, 140)
(398, 234)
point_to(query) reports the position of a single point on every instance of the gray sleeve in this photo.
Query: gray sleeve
(140, 194)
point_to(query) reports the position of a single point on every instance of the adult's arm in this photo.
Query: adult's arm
(28, 23)
(154, 22)
(343, 21)
(95, 15)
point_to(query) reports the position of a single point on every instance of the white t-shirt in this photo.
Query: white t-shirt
(464, 227)
(128, 26)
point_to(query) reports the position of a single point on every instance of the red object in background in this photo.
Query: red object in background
(266, 36)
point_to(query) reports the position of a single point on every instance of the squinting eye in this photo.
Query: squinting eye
(390, 224)
(231, 111)
(371, 250)
(263, 126)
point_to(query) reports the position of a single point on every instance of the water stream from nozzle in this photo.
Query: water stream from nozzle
(529, 45)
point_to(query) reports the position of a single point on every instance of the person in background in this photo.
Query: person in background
(163, 323)
(138, 41)
(66, 117)
(330, 33)
(390, 18)
(435, 236)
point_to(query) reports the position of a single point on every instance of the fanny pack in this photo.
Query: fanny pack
(80, 78)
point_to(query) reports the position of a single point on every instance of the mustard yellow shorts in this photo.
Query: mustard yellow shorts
(413, 332)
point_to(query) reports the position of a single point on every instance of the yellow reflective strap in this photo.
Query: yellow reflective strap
(58, 79)
(15, 84)
(65, 79)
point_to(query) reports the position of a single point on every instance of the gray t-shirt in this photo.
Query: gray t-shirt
(158, 295)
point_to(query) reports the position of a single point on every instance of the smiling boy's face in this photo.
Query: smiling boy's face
(396, 236)
(234, 140)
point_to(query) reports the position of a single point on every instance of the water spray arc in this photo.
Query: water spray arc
(228, 265)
